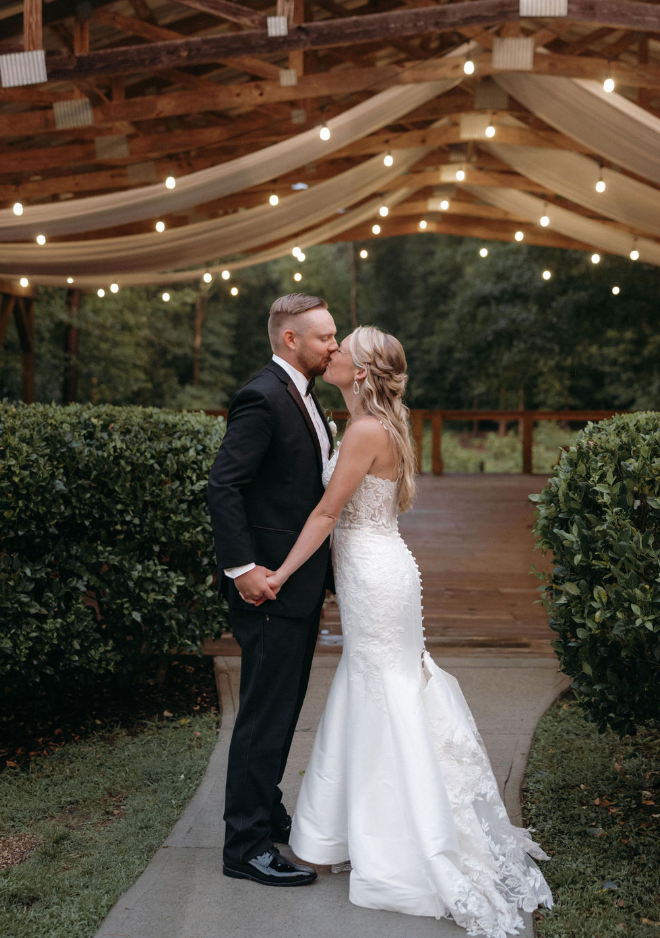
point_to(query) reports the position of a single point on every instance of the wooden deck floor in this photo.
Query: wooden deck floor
(472, 538)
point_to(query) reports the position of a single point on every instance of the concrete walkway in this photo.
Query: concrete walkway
(182, 892)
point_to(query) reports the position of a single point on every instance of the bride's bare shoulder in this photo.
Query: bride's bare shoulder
(366, 429)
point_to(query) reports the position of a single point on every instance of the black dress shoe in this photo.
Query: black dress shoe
(271, 869)
(280, 833)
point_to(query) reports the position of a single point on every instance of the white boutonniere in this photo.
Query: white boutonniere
(333, 427)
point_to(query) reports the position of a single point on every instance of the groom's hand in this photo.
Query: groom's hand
(253, 586)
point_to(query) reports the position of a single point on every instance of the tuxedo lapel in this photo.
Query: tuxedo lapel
(295, 394)
(325, 424)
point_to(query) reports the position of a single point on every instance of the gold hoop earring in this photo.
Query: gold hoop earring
(356, 387)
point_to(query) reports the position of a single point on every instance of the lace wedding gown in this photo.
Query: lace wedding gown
(399, 782)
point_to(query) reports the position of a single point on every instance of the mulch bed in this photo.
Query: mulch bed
(42, 724)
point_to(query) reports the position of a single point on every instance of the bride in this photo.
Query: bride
(398, 785)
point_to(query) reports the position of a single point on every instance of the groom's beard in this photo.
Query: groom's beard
(312, 366)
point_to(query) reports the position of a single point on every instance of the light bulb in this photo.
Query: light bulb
(608, 85)
(546, 275)
(519, 235)
(160, 226)
(69, 279)
(166, 297)
(301, 257)
(634, 255)
(490, 131)
(375, 229)
(544, 221)
(114, 288)
(295, 251)
(41, 239)
(226, 275)
(595, 258)
(24, 282)
(422, 224)
(234, 291)
(460, 175)
(17, 208)
(468, 67)
(100, 291)
(388, 160)
(207, 278)
(324, 132)
(170, 182)
(600, 186)
(297, 277)
(364, 253)
(483, 252)
(273, 199)
(616, 291)
(383, 211)
(444, 205)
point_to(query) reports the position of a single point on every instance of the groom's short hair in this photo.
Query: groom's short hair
(286, 308)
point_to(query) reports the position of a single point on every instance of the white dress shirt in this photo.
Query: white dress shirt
(301, 383)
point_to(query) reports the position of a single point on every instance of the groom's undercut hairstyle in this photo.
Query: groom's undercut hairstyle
(284, 311)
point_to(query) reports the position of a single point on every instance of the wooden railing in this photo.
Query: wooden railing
(526, 420)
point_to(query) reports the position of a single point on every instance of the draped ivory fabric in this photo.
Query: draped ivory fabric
(568, 223)
(325, 232)
(609, 124)
(120, 208)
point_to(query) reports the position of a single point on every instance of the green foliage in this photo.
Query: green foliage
(600, 515)
(106, 550)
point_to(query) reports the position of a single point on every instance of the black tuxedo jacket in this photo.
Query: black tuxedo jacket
(264, 483)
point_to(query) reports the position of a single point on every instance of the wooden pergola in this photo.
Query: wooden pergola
(190, 84)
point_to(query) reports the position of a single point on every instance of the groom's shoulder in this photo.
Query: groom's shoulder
(266, 383)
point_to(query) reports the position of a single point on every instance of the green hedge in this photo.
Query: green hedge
(106, 551)
(600, 515)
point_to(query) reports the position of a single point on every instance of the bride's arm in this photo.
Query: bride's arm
(360, 445)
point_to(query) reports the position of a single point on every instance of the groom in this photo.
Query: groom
(265, 481)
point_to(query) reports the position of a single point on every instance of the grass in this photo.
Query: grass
(101, 806)
(594, 802)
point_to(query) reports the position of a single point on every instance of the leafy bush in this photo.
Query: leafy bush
(106, 551)
(600, 515)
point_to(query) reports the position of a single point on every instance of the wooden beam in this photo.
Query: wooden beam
(575, 48)
(621, 14)
(32, 25)
(229, 11)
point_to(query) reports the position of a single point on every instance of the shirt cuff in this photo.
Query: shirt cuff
(233, 572)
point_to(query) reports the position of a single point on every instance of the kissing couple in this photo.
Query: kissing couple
(399, 788)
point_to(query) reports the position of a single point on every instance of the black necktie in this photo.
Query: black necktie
(310, 385)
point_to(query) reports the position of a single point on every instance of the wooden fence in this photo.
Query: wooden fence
(526, 420)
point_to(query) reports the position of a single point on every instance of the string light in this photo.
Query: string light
(100, 292)
(364, 253)
(170, 182)
(422, 224)
(468, 65)
(444, 205)
(375, 229)
(41, 239)
(69, 279)
(324, 132)
(274, 199)
(114, 288)
(483, 252)
(519, 235)
(544, 220)
(460, 175)
(595, 258)
(383, 211)
(616, 291)
(225, 275)
(234, 291)
(17, 208)
(634, 254)
(546, 274)
(600, 185)
(301, 257)
(295, 251)
(490, 130)
(160, 226)
(208, 277)
(24, 282)
(297, 277)
(388, 159)
(166, 297)
(608, 84)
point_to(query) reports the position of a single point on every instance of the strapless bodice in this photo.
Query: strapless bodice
(374, 506)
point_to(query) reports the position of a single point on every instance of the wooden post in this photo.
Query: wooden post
(32, 26)
(527, 440)
(200, 316)
(436, 427)
(351, 255)
(70, 384)
(418, 435)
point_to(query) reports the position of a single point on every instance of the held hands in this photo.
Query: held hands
(253, 586)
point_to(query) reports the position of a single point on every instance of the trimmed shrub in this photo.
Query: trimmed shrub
(106, 550)
(600, 515)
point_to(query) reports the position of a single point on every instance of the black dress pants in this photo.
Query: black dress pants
(276, 659)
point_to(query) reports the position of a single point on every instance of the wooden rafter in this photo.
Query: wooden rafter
(229, 11)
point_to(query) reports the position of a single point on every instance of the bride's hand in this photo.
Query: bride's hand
(276, 581)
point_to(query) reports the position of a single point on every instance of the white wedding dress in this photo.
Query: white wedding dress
(399, 782)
